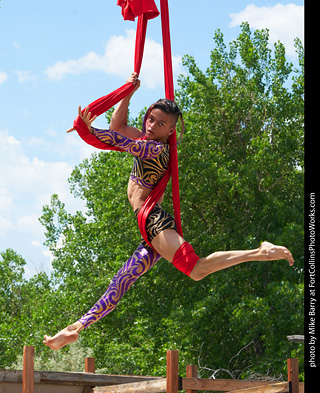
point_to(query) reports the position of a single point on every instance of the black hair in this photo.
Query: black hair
(169, 107)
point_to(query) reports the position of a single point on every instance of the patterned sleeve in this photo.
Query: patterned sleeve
(140, 148)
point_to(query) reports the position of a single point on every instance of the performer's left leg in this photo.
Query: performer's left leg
(140, 262)
(171, 246)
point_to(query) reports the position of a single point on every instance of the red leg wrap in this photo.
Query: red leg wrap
(185, 258)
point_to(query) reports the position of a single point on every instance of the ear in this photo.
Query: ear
(172, 130)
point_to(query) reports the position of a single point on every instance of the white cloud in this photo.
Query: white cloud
(5, 224)
(285, 22)
(48, 254)
(26, 184)
(36, 243)
(29, 222)
(66, 147)
(117, 59)
(5, 198)
(71, 143)
(51, 132)
(12, 140)
(3, 77)
(25, 76)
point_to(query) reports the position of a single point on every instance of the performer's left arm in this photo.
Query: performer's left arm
(137, 147)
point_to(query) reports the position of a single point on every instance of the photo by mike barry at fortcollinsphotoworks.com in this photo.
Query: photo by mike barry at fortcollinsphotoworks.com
(311, 298)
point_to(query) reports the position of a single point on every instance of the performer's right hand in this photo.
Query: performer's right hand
(134, 79)
(86, 117)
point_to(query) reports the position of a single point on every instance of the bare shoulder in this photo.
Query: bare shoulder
(129, 131)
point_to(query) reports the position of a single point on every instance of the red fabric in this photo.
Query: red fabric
(185, 258)
(144, 9)
(130, 9)
(97, 108)
(173, 168)
(169, 89)
(140, 40)
(166, 42)
(104, 103)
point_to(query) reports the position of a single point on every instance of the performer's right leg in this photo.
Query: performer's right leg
(143, 259)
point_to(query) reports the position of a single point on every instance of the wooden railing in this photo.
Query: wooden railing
(173, 383)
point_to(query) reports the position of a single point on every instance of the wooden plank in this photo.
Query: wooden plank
(172, 371)
(220, 385)
(72, 378)
(68, 378)
(155, 386)
(28, 370)
(192, 372)
(270, 388)
(293, 374)
(11, 376)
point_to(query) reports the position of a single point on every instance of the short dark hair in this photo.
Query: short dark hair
(167, 106)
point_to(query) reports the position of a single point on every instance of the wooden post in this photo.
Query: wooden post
(89, 365)
(192, 372)
(172, 371)
(293, 374)
(28, 370)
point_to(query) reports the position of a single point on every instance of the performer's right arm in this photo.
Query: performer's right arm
(140, 148)
(119, 119)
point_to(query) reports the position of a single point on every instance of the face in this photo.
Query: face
(159, 125)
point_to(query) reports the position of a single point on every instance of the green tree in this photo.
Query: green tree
(27, 308)
(11, 273)
(242, 183)
(241, 166)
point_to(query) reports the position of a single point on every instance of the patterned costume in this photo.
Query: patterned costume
(151, 160)
(141, 261)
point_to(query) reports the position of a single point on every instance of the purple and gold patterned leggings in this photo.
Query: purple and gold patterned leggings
(139, 263)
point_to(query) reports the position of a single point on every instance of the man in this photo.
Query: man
(151, 159)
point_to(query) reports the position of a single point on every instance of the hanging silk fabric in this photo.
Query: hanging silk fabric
(144, 10)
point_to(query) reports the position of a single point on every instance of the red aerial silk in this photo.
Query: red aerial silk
(133, 8)
(144, 9)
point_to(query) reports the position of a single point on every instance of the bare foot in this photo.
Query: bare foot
(273, 253)
(64, 337)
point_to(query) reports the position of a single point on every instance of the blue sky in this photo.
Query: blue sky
(56, 55)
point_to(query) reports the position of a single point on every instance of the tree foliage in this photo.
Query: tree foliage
(241, 182)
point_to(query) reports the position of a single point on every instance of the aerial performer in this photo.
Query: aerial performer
(151, 157)
(152, 149)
